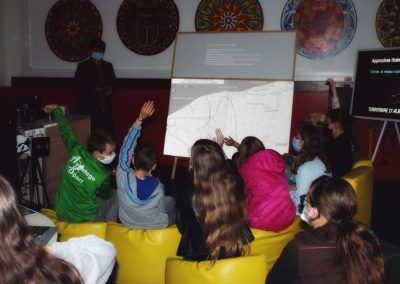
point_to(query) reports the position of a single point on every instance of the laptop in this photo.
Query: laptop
(41, 234)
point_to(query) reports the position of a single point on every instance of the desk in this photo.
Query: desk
(38, 219)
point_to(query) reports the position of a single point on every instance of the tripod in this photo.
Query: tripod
(31, 167)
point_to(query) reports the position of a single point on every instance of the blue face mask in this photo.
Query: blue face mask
(296, 144)
(97, 55)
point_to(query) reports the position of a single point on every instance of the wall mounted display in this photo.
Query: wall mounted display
(325, 27)
(229, 15)
(147, 27)
(70, 27)
(387, 23)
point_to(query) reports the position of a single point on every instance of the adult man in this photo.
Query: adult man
(95, 83)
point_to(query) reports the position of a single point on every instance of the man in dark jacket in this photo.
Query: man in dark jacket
(95, 83)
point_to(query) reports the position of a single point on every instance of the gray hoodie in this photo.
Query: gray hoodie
(138, 210)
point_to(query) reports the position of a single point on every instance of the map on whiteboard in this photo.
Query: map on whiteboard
(239, 108)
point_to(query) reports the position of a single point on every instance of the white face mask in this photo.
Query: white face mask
(108, 159)
(304, 215)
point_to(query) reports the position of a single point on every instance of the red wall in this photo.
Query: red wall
(308, 97)
(126, 107)
(305, 103)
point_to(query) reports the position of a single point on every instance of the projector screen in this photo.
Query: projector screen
(376, 92)
(239, 108)
(241, 83)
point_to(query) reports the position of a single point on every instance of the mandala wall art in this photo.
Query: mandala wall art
(388, 23)
(70, 27)
(325, 27)
(147, 27)
(229, 15)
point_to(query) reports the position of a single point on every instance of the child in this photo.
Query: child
(142, 203)
(269, 206)
(87, 259)
(84, 175)
(333, 248)
(311, 162)
(212, 212)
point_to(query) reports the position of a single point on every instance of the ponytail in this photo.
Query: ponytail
(358, 251)
(359, 254)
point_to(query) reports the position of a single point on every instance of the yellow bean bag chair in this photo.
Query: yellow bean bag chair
(361, 179)
(271, 244)
(238, 270)
(141, 254)
(68, 230)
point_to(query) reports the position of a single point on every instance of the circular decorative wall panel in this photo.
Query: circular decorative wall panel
(229, 15)
(70, 27)
(325, 27)
(388, 23)
(147, 27)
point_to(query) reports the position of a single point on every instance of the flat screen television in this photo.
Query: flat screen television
(376, 92)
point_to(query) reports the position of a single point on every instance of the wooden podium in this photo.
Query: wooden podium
(54, 164)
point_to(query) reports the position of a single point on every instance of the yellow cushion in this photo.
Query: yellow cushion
(362, 163)
(238, 270)
(50, 213)
(141, 254)
(271, 244)
(68, 230)
(361, 179)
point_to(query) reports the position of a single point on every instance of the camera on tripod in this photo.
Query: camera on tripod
(32, 176)
(36, 147)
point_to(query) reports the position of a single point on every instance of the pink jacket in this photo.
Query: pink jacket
(269, 206)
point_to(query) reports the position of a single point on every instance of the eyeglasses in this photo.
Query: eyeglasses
(303, 201)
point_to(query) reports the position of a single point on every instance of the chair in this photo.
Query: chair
(271, 244)
(361, 179)
(141, 254)
(68, 230)
(238, 270)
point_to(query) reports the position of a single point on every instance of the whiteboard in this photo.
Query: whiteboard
(235, 55)
(241, 83)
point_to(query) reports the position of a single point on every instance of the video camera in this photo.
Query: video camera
(28, 110)
(36, 147)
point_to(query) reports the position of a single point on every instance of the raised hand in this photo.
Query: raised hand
(332, 86)
(231, 142)
(49, 108)
(331, 82)
(219, 137)
(147, 110)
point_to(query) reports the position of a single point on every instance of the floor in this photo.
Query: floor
(385, 210)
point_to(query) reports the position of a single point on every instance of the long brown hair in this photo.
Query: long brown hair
(22, 260)
(249, 146)
(217, 202)
(312, 147)
(358, 251)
